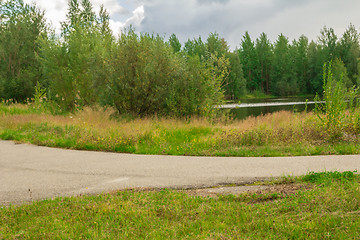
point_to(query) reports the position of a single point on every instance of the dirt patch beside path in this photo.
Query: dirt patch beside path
(283, 189)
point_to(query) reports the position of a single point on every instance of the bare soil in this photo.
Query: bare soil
(282, 189)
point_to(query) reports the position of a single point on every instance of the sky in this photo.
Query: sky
(189, 19)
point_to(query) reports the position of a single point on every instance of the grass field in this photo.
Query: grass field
(278, 134)
(316, 206)
(322, 206)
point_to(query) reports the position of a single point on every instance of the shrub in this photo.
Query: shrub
(336, 100)
(149, 78)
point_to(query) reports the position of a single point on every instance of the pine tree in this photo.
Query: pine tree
(265, 57)
(249, 61)
(301, 63)
(349, 51)
(283, 78)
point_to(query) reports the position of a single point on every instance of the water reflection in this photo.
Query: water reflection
(257, 107)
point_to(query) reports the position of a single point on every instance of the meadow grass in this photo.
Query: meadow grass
(277, 134)
(324, 206)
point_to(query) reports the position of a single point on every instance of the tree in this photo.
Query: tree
(340, 73)
(149, 78)
(175, 43)
(301, 63)
(76, 65)
(283, 79)
(216, 45)
(264, 53)
(249, 61)
(104, 19)
(349, 49)
(235, 85)
(196, 47)
(328, 44)
(21, 26)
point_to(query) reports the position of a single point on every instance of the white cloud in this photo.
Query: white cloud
(230, 18)
(55, 12)
(112, 6)
(137, 18)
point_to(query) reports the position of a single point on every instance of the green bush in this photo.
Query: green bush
(336, 100)
(149, 78)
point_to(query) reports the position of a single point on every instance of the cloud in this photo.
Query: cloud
(231, 18)
(112, 6)
(190, 18)
(136, 19)
(133, 21)
(120, 16)
(54, 11)
(207, 2)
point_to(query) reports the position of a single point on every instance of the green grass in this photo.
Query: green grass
(277, 134)
(17, 109)
(327, 207)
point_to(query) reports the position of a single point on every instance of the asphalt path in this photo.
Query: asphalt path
(29, 173)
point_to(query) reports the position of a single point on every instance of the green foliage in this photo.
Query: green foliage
(328, 177)
(337, 98)
(284, 80)
(328, 44)
(148, 78)
(84, 67)
(235, 85)
(216, 45)
(195, 47)
(40, 98)
(349, 49)
(175, 43)
(139, 74)
(340, 72)
(249, 61)
(300, 59)
(21, 26)
(76, 66)
(264, 53)
(315, 68)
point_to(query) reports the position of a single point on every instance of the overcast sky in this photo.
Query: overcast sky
(230, 18)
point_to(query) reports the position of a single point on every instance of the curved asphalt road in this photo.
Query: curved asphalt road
(31, 173)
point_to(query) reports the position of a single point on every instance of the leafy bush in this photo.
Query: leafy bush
(149, 78)
(336, 100)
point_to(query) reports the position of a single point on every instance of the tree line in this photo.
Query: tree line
(144, 74)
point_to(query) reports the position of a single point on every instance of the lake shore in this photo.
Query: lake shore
(278, 134)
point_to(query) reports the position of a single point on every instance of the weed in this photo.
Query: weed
(324, 177)
(337, 99)
(278, 134)
(330, 211)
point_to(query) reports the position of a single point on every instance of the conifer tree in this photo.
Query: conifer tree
(249, 61)
(264, 53)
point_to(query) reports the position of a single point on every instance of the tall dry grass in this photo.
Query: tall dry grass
(282, 127)
(100, 129)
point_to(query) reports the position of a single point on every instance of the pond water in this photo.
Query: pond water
(257, 107)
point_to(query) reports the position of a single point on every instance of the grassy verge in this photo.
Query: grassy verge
(278, 134)
(327, 206)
